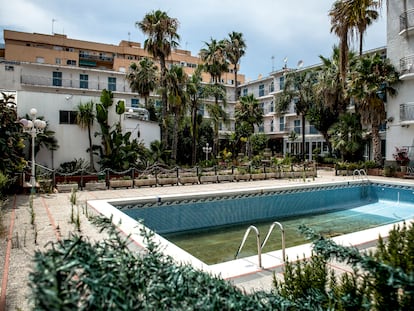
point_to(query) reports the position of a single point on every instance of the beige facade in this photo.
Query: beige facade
(60, 50)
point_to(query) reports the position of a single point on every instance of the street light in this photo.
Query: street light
(207, 150)
(33, 127)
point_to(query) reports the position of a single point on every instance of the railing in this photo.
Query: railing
(407, 20)
(407, 64)
(261, 246)
(407, 112)
(70, 83)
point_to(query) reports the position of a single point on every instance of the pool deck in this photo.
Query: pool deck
(28, 231)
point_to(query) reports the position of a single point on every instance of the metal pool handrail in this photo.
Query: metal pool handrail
(360, 172)
(259, 248)
(272, 226)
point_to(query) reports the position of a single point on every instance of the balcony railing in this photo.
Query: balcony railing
(407, 112)
(407, 64)
(407, 20)
(70, 83)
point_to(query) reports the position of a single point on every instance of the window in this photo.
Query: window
(261, 128)
(281, 82)
(71, 62)
(9, 68)
(40, 60)
(261, 90)
(135, 102)
(245, 91)
(83, 81)
(313, 130)
(67, 117)
(296, 125)
(58, 61)
(272, 107)
(271, 87)
(111, 84)
(57, 78)
(282, 124)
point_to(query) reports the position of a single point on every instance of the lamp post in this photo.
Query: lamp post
(207, 150)
(33, 127)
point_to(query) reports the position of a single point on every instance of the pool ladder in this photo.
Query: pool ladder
(261, 246)
(360, 173)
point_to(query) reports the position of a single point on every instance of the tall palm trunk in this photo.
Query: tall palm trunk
(164, 127)
(303, 138)
(195, 132)
(91, 164)
(376, 144)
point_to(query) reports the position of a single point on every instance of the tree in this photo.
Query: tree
(11, 140)
(299, 89)
(348, 18)
(248, 113)
(143, 78)
(235, 50)
(371, 80)
(330, 100)
(195, 93)
(346, 137)
(162, 35)
(177, 100)
(85, 119)
(215, 63)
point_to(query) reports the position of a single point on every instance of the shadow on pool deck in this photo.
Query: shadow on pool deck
(30, 230)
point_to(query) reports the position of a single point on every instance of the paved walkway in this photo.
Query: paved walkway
(31, 227)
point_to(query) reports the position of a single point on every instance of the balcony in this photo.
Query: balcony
(407, 22)
(407, 67)
(407, 113)
(91, 85)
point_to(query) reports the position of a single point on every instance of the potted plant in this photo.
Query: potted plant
(401, 157)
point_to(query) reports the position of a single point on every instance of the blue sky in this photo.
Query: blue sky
(273, 29)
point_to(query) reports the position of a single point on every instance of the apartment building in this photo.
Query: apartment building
(54, 73)
(400, 50)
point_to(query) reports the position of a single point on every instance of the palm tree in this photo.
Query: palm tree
(248, 113)
(214, 58)
(371, 80)
(346, 136)
(162, 38)
(235, 50)
(329, 101)
(348, 18)
(216, 111)
(176, 81)
(195, 93)
(85, 118)
(299, 89)
(215, 63)
(143, 78)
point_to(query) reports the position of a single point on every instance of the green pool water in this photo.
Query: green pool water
(217, 245)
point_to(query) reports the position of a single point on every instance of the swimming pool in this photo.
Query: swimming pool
(343, 195)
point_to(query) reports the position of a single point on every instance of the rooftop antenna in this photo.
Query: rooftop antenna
(273, 63)
(285, 61)
(129, 36)
(53, 23)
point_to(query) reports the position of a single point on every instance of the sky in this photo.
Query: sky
(274, 30)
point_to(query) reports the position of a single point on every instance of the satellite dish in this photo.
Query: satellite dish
(300, 64)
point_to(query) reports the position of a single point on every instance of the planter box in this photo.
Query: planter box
(149, 182)
(120, 183)
(240, 177)
(188, 180)
(208, 178)
(259, 176)
(225, 178)
(95, 186)
(67, 187)
(167, 181)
